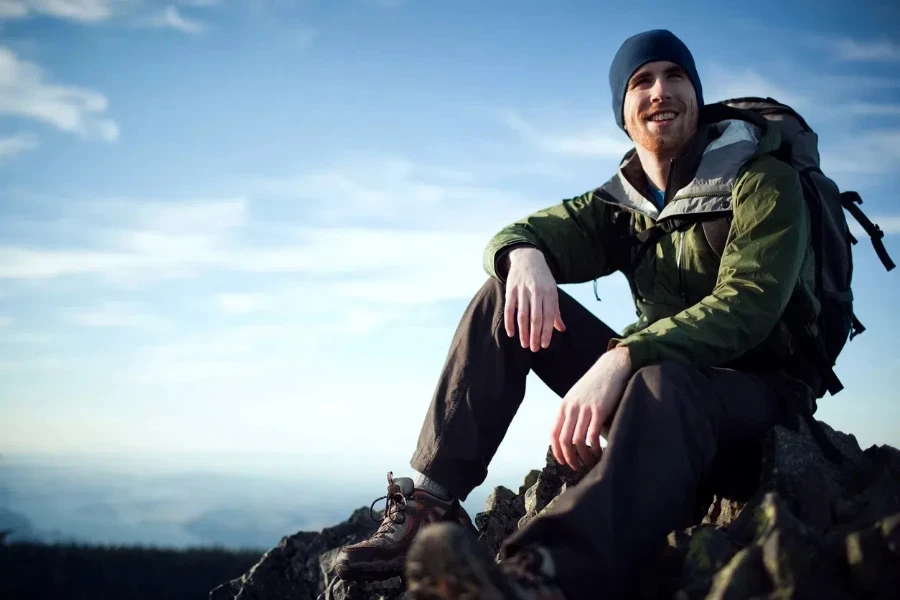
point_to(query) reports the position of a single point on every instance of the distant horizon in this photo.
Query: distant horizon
(115, 504)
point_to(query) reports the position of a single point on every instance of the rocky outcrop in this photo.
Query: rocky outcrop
(293, 569)
(782, 522)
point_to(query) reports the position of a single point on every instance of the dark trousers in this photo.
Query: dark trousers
(672, 422)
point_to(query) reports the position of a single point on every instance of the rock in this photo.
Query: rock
(226, 591)
(550, 483)
(292, 569)
(742, 578)
(778, 521)
(794, 558)
(708, 551)
(873, 556)
(389, 589)
(530, 480)
(502, 511)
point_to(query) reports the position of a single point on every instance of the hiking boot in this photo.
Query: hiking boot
(406, 511)
(446, 562)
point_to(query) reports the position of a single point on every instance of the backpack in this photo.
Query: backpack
(832, 241)
(832, 245)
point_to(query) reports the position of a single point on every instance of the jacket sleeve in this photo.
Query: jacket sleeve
(574, 236)
(760, 266)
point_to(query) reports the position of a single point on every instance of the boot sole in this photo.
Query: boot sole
(445, 562)
(377, 570)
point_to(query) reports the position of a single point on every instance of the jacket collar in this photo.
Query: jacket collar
(701, 179)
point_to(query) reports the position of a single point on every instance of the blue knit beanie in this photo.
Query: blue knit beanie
(640, 49)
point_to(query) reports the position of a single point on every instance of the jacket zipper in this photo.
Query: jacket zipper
(679, 259)
(679, 250)
(668, 192)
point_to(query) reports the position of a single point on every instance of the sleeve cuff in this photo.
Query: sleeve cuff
(496, 255)
(640, 350)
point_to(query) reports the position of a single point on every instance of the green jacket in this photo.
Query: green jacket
(693, 306)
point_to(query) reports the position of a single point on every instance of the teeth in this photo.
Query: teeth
(663, 116)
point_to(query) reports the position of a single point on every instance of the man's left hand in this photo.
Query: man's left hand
(587, 407)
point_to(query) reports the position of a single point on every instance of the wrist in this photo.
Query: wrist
(624, 354)
(506, 260)
(619, 358)
(520, 251)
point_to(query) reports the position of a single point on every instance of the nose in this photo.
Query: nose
(660, 90)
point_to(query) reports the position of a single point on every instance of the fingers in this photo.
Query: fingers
(554, 434)
(593, 435)
(509, 313)
(524, 318)
(550, 312)
(535, 313)
(567, 434)
(537, 321)
(580, 437)
(558, 322)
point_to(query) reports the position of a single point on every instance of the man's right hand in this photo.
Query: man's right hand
(532, 300)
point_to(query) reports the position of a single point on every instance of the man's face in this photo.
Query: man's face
(661, 108)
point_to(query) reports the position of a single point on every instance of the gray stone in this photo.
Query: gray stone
(780, 522)
(530, 480)
(389, 589)
(502, 511)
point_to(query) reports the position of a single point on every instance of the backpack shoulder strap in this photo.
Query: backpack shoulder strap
(851, 202)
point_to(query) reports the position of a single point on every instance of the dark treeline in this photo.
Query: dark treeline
(30, 571)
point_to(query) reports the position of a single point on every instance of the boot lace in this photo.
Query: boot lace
(394, 508)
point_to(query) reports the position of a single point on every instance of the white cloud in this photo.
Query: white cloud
(43, 363)
(889, 224)
(723, 83)
(859, 83)
(28, 338)
(218, 345)
(241, 352)
(152, 239)
(361, 319)
(117, 314)
(868, 152)
(74, 10)
(394, 192)
(180, 240)
(24, 263)
(171, 17)
(200, 370)
(12, 146)
(876, 51)
(871, 109)
(5, 321)
(25, 92)
(13, 9)
(589, 143)
(241, 303)
(345, 279)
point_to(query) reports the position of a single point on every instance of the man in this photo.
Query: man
(698, 375)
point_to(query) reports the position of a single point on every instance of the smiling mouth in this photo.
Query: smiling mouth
(663, 116)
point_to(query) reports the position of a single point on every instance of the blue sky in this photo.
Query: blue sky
(250, 227)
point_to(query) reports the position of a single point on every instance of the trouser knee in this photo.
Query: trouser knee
(653, 383)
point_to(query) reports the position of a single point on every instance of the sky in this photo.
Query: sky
(242, 232)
